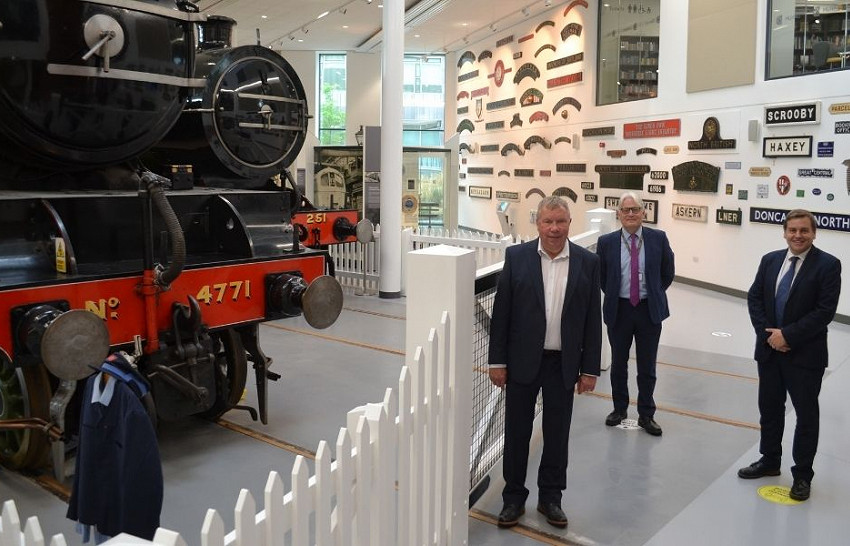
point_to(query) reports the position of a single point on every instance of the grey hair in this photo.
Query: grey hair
(552, 202)
(630, 194)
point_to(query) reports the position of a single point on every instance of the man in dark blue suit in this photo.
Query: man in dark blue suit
(637, 267)
(545, 333)
(791, 302)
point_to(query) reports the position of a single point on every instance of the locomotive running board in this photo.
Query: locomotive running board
(118, 74)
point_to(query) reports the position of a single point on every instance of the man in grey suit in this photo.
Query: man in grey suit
(545, 333)
(637, 267)
(791, 302)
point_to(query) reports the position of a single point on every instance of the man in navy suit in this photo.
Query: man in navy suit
(637, 267)
(545, 333)
(791, 302)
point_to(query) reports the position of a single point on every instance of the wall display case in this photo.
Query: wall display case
(638, 67)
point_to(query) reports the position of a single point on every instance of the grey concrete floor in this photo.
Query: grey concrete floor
(624, 486)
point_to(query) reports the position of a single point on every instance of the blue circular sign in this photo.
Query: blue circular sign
(816, 191)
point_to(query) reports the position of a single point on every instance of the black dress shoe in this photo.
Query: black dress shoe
(801, 490)
(509, 516)
(554, 515)
(614, 418)
(757, 470)
(648, 424)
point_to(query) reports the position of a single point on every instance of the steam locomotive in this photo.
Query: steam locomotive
(145, 207)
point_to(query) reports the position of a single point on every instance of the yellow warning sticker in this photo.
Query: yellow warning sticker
(61, 264)
(777, 494)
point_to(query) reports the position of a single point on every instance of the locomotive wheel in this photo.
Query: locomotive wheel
(231, 373)
(24, 393)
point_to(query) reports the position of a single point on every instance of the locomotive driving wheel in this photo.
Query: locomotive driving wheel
(24, 393)
(231, 369)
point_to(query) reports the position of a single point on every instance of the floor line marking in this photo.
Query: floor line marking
(522, 529)
(334, 338)
(711, 372)
(374, 313)
(686, 413)
(271, 440)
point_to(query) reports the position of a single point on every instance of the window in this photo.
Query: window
(628, 51)
(423, 100)
(332, 99)
(807, 37)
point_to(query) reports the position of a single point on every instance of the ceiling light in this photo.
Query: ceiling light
(264, 16)
(416, 36)
(300, 40)
(322, 14)
(344, 26)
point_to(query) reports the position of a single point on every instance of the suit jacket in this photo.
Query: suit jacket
(659, 270)
(118, 484)
(518, 325)
(810, 308)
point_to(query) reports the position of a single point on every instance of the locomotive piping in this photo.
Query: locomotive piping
(153, 183)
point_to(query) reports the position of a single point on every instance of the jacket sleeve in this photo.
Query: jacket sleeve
(668, 265)
(500, 320)
(756, 304)
(591, 355)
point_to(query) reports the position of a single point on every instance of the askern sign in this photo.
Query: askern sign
(825, 220)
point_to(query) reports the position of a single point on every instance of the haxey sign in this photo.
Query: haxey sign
(825, 220)
(795, 146)
(796, 114)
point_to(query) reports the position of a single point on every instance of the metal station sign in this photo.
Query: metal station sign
(691, 213)
(792, 114)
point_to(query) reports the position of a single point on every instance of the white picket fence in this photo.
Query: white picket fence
(359, 265)
(399, 471)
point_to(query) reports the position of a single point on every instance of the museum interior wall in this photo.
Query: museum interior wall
(569, 145)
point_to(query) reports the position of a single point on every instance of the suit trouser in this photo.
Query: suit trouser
(520, 401)
(633, 323)
(777, 375)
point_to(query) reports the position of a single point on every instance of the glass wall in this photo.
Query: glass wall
(628, 50)
(806, 37)
(423, 100)
(332, 75)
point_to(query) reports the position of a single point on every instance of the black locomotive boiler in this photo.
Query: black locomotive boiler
(145, 206)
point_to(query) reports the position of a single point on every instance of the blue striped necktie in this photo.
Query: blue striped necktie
(784, 289)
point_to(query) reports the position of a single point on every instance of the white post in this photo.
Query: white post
(442, 278)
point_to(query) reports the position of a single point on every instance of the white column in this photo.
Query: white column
(392, 80)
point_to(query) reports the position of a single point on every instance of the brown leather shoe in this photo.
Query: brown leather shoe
(554, 515)
(509, 516)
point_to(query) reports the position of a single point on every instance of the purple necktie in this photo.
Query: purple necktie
(634, 281)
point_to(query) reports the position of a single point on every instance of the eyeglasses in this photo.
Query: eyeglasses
(630, 210)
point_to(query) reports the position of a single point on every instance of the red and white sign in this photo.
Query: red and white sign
(649, 129)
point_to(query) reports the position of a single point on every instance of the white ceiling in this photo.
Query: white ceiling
(355, 25)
